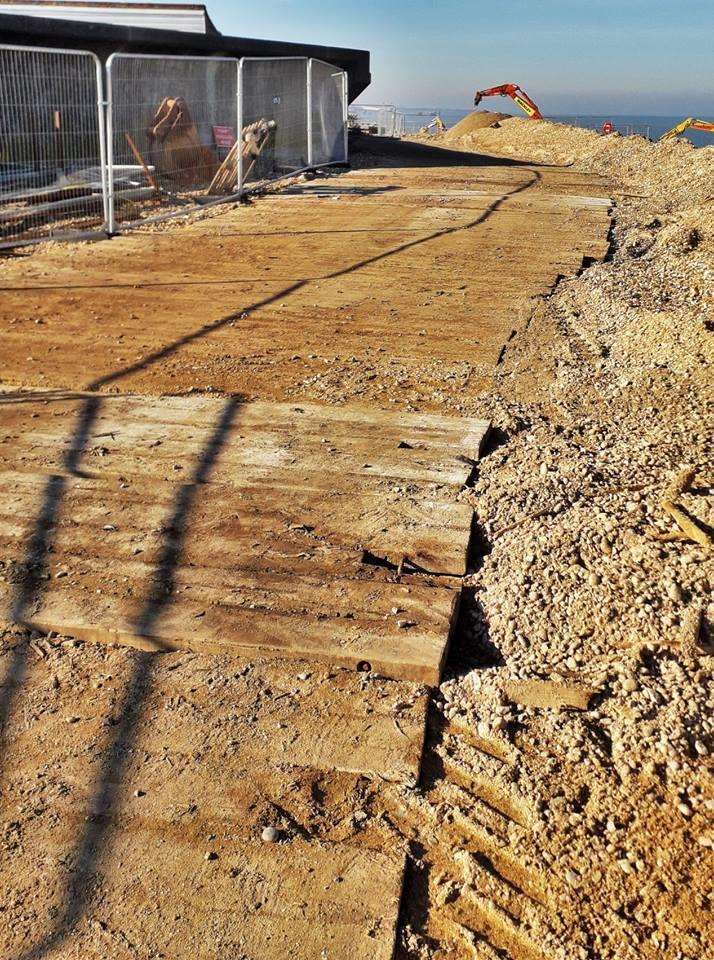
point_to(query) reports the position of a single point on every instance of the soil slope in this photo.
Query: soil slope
(585, 586)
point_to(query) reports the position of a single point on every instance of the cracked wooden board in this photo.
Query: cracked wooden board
(140, 766)
(216, 525)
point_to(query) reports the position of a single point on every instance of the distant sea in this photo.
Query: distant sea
(645, 126)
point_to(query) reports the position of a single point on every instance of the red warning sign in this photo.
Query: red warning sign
(224, 136)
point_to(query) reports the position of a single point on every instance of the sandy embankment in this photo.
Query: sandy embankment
(605, 399)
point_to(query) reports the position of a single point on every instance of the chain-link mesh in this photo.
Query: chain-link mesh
(51, 144)
(274, 117)
(173, 126)
(328, 97)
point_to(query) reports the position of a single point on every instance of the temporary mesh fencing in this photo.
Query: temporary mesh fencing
(156, 137)
(172, 122)
(328, 119)
(383, 119)
(52, 165)
(274, 117)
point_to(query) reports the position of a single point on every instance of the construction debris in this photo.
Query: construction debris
(254, 138)
(689, 527)
(175, 145)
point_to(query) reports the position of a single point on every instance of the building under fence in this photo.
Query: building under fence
(99, 140)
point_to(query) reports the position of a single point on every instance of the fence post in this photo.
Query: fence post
(101, 104)
(345, 110)
(109, 129)
(239, 128)
(309, 113)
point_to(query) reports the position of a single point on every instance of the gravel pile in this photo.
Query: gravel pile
(583, 583)
(476, 120)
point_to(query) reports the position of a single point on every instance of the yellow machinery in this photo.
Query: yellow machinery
(691, 123)
(437, 123)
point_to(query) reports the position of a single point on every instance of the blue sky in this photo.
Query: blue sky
(580, 56)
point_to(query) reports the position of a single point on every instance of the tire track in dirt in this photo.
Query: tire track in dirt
(474, 887)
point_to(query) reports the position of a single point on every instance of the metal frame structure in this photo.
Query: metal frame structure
(101, 131)
(345, 107)
(112, 228)
(245, 60)
(396, 126)
(105, 102)
(308, 98)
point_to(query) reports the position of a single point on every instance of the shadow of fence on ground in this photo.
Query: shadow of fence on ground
(39, 545)
(125, 727)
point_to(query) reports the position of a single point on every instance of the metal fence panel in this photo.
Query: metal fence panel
(384, 120)
(179, 133)
(172, 129)
(275, 117)
(328, 126)
(52, 164)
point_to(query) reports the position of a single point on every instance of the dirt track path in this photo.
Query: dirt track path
(135, 787)
(398, 284)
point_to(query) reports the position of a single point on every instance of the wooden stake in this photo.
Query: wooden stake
(142, 163)
(250, 148)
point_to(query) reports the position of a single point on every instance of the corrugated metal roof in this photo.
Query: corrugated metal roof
(185, 17)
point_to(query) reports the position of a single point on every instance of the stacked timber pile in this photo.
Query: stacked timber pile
(254, 138)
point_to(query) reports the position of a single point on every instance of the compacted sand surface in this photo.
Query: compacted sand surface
(552, 797)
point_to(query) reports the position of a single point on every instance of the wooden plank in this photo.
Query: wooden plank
(219, 748)
(403, 193)
(381, 646)
(192, 408)
(256, 445)
(343, 520)
(312, 894)
(267, 540)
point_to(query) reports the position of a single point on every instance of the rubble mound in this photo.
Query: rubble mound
(675, 172)
(477, 120)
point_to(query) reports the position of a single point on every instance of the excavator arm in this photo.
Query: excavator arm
(513, 91)
(437, 123)
(689, 122)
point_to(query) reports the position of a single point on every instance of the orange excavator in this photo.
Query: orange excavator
(513, 91)
(690, 123)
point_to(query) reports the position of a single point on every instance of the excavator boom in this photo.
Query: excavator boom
(513, 91)
(686, 124)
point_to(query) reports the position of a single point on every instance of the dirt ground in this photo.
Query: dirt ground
(562, 806)
(314, 292)
(585, 579)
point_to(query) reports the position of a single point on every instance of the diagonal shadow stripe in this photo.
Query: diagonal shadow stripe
(126, 727)
(34, 566)
(40, 543)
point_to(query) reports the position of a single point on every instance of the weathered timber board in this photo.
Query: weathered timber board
(402, 285)
(219, 748)
(217, 525)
